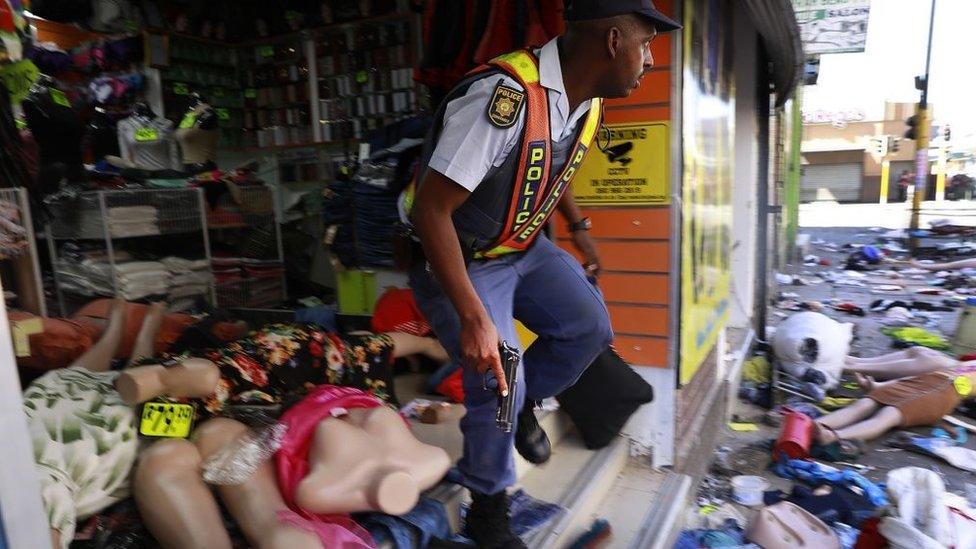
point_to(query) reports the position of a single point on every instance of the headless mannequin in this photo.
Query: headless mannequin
(364, 460)
(368, 460)
(189, 380)
(146, 140)
(197, 135)
(866, 419)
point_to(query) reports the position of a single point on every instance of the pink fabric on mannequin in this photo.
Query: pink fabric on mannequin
(291, 462)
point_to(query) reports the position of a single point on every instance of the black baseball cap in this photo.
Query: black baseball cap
(579, 10)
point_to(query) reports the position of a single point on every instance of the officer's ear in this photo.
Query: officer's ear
(614, 41)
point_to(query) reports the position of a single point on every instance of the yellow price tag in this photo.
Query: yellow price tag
(146, 134)
(161, 419)
(58, 97)
(223, 113)
(963, 386)
(250, 93)
(189, 120)
(266, 51)
(21, 331)
(179, 88)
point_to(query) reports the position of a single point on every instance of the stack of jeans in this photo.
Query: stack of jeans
(376, 213)
(337, 210)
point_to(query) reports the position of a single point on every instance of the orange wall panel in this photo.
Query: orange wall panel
(644, 351)
(637, 114)
(637, 223)
(639, 320)
(649, 289)
(644, 257)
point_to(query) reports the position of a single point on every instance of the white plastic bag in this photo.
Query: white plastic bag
(813, 340)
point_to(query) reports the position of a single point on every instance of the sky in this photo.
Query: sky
(895, 54)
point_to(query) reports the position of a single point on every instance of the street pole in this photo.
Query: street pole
(885, 173)
(940, 172)
(922, 142)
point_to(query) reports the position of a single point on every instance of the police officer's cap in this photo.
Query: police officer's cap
(579, 10)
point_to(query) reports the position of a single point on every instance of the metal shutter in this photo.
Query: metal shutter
(831, 182)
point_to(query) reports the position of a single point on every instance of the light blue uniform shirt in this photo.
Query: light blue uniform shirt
(470, 144)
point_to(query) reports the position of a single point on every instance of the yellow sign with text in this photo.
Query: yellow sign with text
(633, 170)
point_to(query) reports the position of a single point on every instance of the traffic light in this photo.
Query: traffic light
(895, 145)
(912, 123)
(947, 133)
(880, 145)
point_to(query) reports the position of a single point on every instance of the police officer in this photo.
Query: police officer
(500, 158)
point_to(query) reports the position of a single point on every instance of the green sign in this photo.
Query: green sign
(266, 51)
(59, 98)
(180, 88)
(18, 78)
(146, 134)
(250, 93)
(362, 77)
(223, 113)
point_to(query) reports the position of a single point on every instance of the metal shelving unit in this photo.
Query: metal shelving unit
(122, 220)
(25, 266)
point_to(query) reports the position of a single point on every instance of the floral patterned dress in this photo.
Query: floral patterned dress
(279, 363)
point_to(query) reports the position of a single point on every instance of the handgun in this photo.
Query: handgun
(506, 404)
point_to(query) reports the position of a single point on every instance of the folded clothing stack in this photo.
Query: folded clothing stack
(229, 277)
(140, 279)
(187, 277)
(133, 221)
(264, 282)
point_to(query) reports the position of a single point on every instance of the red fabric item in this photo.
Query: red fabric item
(397, 311)
(60, 342)
(462, 63)
(172, 327)
(551, 12)
(452, 387)
(498, 37)
(870, 538)
(967, 358)
(291, 460)
(536, 34)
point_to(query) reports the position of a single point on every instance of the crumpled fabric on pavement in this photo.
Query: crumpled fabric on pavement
(816, 473)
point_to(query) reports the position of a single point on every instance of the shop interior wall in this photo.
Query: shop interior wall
(635, 241)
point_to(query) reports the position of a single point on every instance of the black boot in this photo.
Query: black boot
(531, 440)
(488, 524)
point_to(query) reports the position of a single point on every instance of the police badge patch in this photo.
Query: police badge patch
(504, 106)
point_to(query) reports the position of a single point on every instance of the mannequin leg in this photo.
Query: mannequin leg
(145, 345)
(99, 357)
(858, 411)
(887, 419)
(961, 264)
(408, 344)
(254, 504)
(917, 361)
(890, 357)
(178, 508)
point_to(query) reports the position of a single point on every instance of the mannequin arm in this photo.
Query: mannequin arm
(193, 378)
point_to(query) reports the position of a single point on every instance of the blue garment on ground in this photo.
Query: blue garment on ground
(815, 473)
(528, 514)
(729, 537)
(324, 316)
(415, 529)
